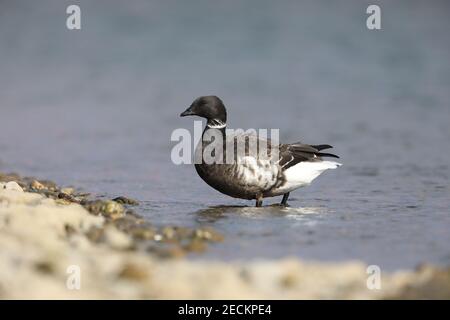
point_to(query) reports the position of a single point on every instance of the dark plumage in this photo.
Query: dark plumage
(284, 167)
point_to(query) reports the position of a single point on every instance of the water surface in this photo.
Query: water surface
(95, 108)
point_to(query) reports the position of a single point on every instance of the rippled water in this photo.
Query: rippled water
(95, 108)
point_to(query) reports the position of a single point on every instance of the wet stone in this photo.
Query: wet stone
(164, 250)
(126, 201)
(208, 234)
(63, 202)
(195, 245)
(36, 185)
(108, 208)
(49, 185)
(168, 233)
(66, 197)
(143, 233)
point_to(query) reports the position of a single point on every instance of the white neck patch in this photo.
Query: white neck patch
(216, 124)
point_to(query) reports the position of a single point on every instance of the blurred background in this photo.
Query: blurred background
(95, 108)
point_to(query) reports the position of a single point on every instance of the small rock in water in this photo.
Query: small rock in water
(12, 185)
(49, 185)
(68, 191)
(36, 185)
(107, 208)
(208, 234)
(169, 233)
(66, 197)
(125, 200)
(113, 208)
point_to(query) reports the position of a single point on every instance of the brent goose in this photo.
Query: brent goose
(250, 176)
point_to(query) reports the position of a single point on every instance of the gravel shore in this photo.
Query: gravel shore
(57, 244)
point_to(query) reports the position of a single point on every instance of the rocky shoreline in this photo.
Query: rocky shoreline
(168, 241)
(46, 230)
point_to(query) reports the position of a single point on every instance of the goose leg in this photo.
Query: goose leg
(259, 200)
(285, 199)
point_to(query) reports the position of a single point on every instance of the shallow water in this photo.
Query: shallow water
(95, 108)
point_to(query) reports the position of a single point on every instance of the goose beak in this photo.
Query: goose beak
(188, 112)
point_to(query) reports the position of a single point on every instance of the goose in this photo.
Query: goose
(283, 169)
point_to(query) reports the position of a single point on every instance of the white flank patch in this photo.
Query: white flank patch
(303, 173)
(255, 172)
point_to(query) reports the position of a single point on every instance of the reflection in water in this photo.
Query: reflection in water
(214, 213)
(304, 212)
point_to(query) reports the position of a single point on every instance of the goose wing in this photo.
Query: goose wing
(291, 154)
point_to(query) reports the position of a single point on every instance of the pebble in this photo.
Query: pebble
(68, 191)
(125, 200)
(12, 185)
(108, 208)
(36, 185)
